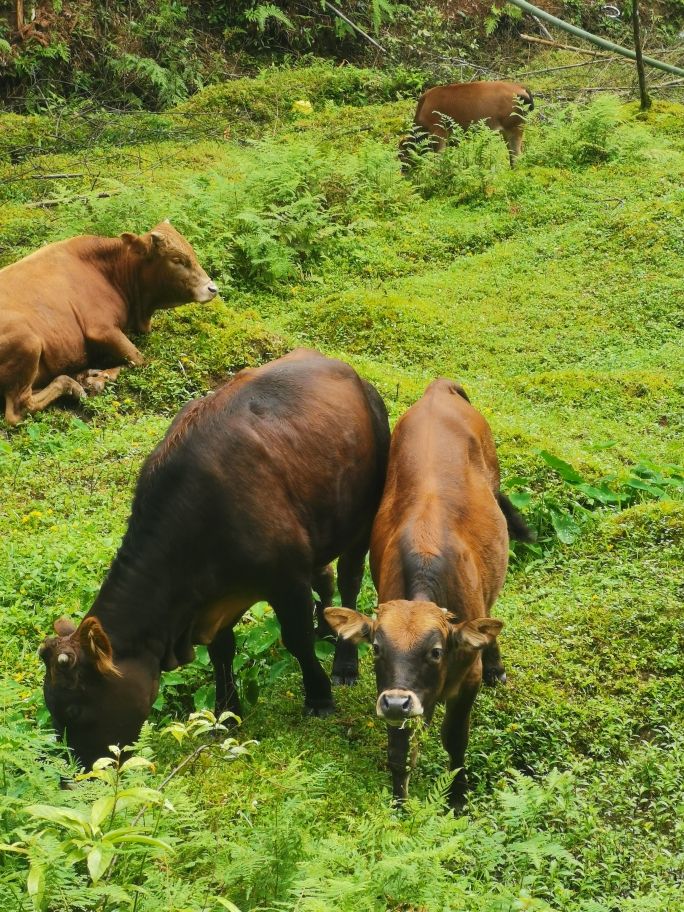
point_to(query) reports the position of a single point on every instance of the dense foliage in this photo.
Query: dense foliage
(155, 53)
(553, 293)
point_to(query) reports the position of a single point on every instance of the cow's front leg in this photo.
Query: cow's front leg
(294, 610)
(95, 381)
(222, 653)
(115, 345)
(455, 734)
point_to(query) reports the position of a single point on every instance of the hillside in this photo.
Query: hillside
(132, 55)
(554, 294)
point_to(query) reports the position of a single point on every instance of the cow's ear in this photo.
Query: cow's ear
(477, 633)
(95, 645)
(135, 242)
(159, 240)
(350, 625)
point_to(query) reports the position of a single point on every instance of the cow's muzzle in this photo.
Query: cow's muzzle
(206, 293)
(398, 705)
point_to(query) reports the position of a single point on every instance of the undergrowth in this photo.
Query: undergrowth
(553, 293)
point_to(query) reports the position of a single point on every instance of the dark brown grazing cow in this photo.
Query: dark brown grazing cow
(439, 552)
(501, 105)
(68, 307)
(251, 494)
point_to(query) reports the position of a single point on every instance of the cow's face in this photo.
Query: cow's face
(92, 701)
(172, 273)
(422, 654)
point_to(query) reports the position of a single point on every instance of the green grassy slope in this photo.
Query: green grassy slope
(553, 294)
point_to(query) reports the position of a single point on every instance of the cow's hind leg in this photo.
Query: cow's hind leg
(349, 578)
(513, 139)
(222, 653)
(19, 362)
(294, 610)
(493, 671)
(324, 586)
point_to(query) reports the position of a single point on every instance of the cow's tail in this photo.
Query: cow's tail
(527, 99)
(517, 527)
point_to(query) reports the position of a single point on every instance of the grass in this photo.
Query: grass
(553, 293)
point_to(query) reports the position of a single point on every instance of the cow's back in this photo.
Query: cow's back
(439, 518)
(470, 102)
(277, 465)
(54, 293)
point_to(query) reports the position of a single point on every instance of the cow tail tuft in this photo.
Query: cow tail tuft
(517, 527)
(527, 99)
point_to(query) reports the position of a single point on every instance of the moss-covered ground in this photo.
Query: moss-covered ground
(554, 294)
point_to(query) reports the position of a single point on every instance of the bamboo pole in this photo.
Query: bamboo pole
(594, 39)
(636, 28)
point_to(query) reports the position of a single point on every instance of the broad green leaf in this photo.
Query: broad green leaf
(15, 847)
(100, 810)
(227, 904)
(66, 817)
(564, 469)
(35, 884)
(645, 486)
(520, 499)
(137, 839)
(137, 763)
(564, 526)
(98, 862)
(205, 696)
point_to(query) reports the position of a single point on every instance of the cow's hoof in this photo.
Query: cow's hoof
(493, 676)
(321, 710)
(345, 678)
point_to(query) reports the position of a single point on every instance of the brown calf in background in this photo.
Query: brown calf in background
(501, 105)
(439, 553)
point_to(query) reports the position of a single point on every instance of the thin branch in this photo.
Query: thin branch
(563, 47)
(354, 26)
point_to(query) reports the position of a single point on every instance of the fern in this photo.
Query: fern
(263, 12)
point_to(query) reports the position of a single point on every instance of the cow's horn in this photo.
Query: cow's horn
(63, 658)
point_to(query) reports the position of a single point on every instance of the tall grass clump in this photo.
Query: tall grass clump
(577, 135)
(466, 169)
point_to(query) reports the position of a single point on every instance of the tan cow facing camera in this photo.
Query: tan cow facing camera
(439, 553)
(68, 307)
(501, 105)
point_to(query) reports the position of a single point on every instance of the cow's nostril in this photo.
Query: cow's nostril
(212, 288)
(396, 705)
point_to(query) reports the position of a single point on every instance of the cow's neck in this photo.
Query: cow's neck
(124, 268)
(146, 605)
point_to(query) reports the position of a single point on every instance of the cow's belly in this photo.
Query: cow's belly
(223, 613)
(63, 353)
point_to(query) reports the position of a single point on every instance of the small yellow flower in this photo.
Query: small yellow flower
(302, 107)
(36, 514)
(116, 403)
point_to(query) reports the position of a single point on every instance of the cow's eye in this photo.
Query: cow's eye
(179, 261)
(436, 653)
(376, 649)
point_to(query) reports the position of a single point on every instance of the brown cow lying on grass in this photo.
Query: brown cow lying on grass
(68, 307)
(439, 552)
(501, 105)
(251, 494)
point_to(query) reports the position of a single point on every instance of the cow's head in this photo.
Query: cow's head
(93, 701)
(171, 275)
(422, 653)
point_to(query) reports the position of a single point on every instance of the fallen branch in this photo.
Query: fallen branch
(51, 203)
(567, 66)
(45, 177)
(564, 47)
